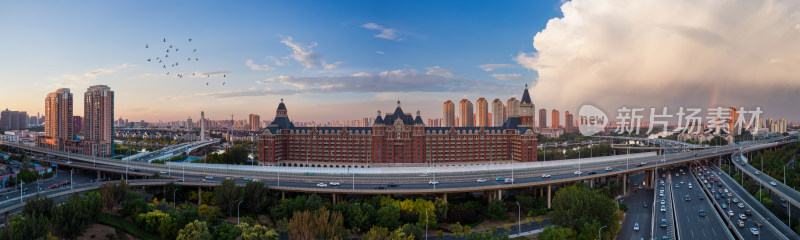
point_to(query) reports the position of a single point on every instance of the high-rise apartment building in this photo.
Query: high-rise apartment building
(542, 118)
(449, 114)
(58, 120)
(466, 113)
(498, 113)
(98, 119)
(483, 113)
(568, 122)
(13, 120)
(556, 123)
(255, 122)
(512, 107)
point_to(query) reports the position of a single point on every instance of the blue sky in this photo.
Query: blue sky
(52, 44)
(345, 60)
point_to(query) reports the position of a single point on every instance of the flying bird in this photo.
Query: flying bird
(148, 59)
(176, 49)
(195, 50)
(196, 59)
(147, 46)
(165, 39)
(159, 61)
(170, 46)
(167, 73)
(193, 74)
(223, 75)
(206, 83)
(190, 39)
(189, 59)
(165, 66)
(223, 83)
(167, 50)
(166, 55)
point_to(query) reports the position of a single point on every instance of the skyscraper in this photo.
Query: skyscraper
(449, 114)
(58, 119)
(13, 120)
(77, 124)
(98, 119)
(568, 122)
(556, 121)
(465, 113)
(542, 118)
(498, 113)
(255, 122)
(483, 113)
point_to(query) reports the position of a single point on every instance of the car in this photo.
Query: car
(782, 199)
(702, 213)
(423, 175)
(730, 212)
(545, 175)
(726, 190)
(609, 169)
(578, 172)
(663, 223)
(380, 187)
(676, 185)
(256, 180)
(724, 205)
(681, 181)
(783, 205)
(740, 205)
(730, 194)
(736, 200)
(228, 178)
(132, 168)
(663, 208)
(687, 198)
(663, 202)
(644, 204)
(499, 179)
(741, 223)
(509, 180)
(433, 182)
(67, 161)
(643, 163)
(742, 216)
(758, 172)
(481, 180)
(723, 195)
(334, 183)
(638, 165)
(690, 186)
(248, 179)
(393, 185)
(636, 227)
(163, 172)
(772, 183)
(754, 231)
(716, 179)
(322, 185)
(180, 180)
(716, 196)
(677, 174)
(759, 224)
(748, 212)
(209, 177)
(700, 197)
(591, 173)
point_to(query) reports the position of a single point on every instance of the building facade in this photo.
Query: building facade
(498, 113)
(542, 118)
(255, 122)
(482, 113)
(98, 121)
(568, 123)
(58, 120)
(556, 123)
(395, 139)
(13, 120)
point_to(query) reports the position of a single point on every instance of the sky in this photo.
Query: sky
(334, 60)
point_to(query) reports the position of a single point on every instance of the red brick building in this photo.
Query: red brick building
(397, 139)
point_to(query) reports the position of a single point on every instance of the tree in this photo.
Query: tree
(441, 208)
(497, 210)
(413, 230)
(107, 192)
(226, 231)
(168, 228)
(388, 216)
(39, 205)
(26, 175)
(381, 233)
(72, 217)
(576, 204)
(256, 197)
(557, 233)
(227, 196)
(321, 224)
(29, 227)
(257, 232)
(196, 230)
(210, 213)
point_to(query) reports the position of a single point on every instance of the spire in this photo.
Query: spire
(398, 102)
(526, 97)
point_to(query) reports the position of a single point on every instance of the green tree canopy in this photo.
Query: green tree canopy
(576, 204)
(196, 230)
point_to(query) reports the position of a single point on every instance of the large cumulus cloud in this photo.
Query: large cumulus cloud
(682, 52)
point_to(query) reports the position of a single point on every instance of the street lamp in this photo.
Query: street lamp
(174, 201)
(237, 211)
(519, 219)
(426, 224)
(600, 230)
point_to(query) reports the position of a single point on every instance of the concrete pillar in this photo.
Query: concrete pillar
(549, 196)
(334, 198)
(283, 195)
(499, 194)
(98, 174)
(591, 183)
(625, 183)
(199, 196)
(444, 197)
(6, 219)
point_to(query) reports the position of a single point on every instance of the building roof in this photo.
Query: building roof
(378, 120)
(526, 97)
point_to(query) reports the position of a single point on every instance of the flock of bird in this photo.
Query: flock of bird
(177, 55)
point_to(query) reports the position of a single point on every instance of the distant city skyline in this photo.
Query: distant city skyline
(333, 62)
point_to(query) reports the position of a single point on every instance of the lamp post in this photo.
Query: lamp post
(426, 224)
(237, 211)
(519, 219)
(174, 201)
(600, 230)
(20, 191)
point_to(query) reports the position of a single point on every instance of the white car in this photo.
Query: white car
(209, 177)
(68, 162)
(690, 186)
(432, 182)
(334, 183)
(163, 172)
(772, 183)
(730, 212)
(663, 208)
(578, 172)
(663, 202)
(609, 169)
(636, 227)
(545, 175)
(322, 185)
(754, 231)
(481, 180)
(509, 180)
(758, 172)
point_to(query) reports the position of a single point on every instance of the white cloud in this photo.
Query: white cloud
(257, 67)
(511, 77)
(650, 52)
(71, 80)
(386, 33)
(379, 52)
(99, 71)
(439, 71)
(306, 56)
(492, 67)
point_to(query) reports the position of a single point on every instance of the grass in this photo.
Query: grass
(129, 227)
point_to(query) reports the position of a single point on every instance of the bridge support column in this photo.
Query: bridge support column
(98, 175)
(549, 196)
(283, 195)
(499, 194)
(335, 198)
(6, 219)
(625, 183)
(591, 183)
(199, 196)
(444, 197)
